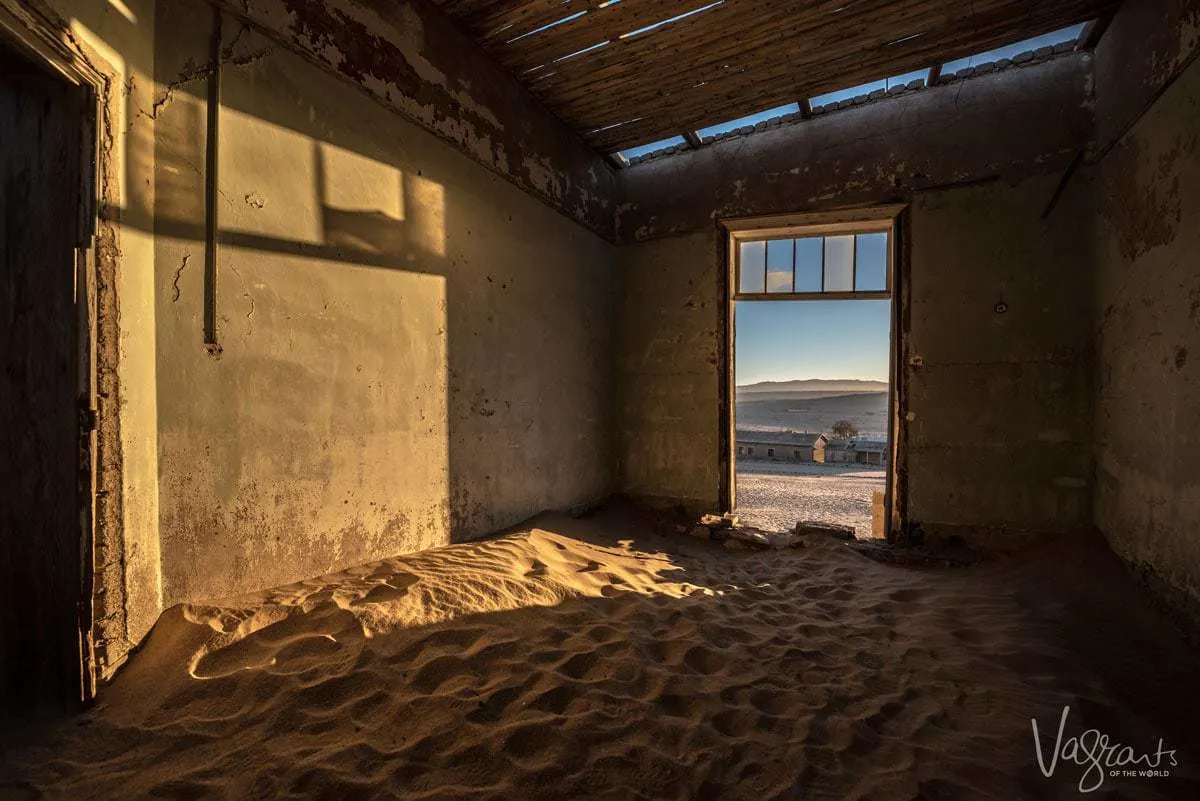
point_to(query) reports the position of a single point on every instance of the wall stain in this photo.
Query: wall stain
(1144, 211)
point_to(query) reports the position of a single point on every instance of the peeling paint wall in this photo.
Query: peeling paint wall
(412, 59)
(411, 350)
(1000, 439)
(1147, 447)
(1147, 44)
(1013, 123)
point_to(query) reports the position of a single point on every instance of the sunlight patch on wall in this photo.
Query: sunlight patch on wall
(118, 131)
(132, 152)
(353, 182)
(427, 213)
(268, 180)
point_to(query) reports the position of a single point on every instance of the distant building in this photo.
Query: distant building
(870, 451)
(781, 446)
(856, 451)
(839, 451)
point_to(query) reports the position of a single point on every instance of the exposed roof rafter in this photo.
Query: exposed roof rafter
(694, 64)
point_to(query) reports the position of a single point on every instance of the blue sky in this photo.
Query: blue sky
(784, 340)
(867, 88)
(752, 119)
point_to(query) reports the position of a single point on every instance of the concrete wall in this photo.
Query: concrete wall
(1147, 44)
(1008, 124)
(411, 58)
(1148, 322)
(412, 351)
(413, 347)
(1001, 424)
(999, 431)
(669, 351)
(1000, 435)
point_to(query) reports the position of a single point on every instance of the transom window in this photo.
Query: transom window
(845, 262)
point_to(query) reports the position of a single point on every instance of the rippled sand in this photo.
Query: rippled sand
(613, 658)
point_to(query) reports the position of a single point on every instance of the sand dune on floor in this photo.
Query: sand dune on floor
(599, 658)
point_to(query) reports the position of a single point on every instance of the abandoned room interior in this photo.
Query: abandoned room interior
(377, 389)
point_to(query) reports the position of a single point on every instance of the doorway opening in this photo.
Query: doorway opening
(46, 386)
(813, 336)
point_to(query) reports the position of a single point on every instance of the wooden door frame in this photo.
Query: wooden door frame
(30, 33)
(892, 218)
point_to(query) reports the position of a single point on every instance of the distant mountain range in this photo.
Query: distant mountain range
(815, 407)
(822, 385)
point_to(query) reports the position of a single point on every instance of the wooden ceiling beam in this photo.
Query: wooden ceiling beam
(483, 19)
(811, 78)
(740, 39)
(752, 92)
(663, 75)
(735, 59)
(610, 24)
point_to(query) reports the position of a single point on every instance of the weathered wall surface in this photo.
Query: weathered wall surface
(1000, 438)
(411, 58)
(116, 47)
(412, 351)
(1148, 346)
(669, 335)
(1145, 47)
(1007, 124)
(999, 431)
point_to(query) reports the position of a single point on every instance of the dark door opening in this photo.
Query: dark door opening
(41, 542)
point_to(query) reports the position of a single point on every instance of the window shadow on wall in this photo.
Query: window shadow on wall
(410, 351)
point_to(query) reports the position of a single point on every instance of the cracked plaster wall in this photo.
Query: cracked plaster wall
(411, 350)
(1147, 300)
(413, 347)
(412, 59)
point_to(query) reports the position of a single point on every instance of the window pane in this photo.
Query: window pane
(839, 263)
(808, 264)
(779, 265)
(871, 258)
(753, 267)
